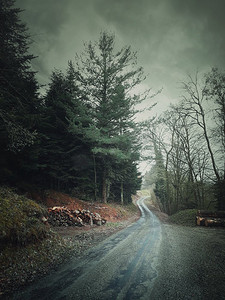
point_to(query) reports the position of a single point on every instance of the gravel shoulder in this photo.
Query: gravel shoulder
(158, 261)
(190, 264)
(20, 266)
(81, 239)
(120, 267)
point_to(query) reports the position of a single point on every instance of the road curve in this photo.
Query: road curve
(121, 267)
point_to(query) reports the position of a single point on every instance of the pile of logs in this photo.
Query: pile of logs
(62, 216)
(209, 218)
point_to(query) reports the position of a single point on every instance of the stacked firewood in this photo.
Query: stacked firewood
(62, 216)
(209, 218)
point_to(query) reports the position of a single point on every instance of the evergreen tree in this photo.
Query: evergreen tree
(19, 104)
(106, 78)
(65, 157)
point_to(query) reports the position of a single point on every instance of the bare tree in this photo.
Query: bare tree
(191, 137)
(215, 94)
(197, 104)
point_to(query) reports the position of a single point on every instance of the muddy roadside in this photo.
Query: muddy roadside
(83, 238)
(30, 263)
(19, 266)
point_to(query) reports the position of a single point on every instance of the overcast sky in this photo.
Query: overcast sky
(172, 37)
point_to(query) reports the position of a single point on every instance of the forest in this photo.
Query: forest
(187, 143)
(82, 137)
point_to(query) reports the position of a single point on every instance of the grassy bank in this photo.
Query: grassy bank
(185, 217)
(28, 247)
(21, 265)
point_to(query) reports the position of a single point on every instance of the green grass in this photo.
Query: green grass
(184, 217)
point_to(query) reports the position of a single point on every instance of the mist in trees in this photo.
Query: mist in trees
(188, 144)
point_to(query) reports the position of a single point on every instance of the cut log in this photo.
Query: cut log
(213, 214)
(209, 221)
(62, 216)
(214, 222)
(200, 221)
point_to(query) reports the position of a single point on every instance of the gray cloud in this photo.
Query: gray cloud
(172, 37)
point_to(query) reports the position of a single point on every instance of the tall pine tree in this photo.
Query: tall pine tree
(106, 78)
(65, 158)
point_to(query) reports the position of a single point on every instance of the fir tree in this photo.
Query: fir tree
(19, 104)
(106, 78)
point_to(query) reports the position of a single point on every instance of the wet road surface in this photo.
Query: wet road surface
(147, 260)
(121, 267)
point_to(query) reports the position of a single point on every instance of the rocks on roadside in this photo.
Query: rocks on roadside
(62, 216)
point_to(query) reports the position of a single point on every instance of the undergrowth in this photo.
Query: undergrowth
(184, 217)
(28, 247)
(20, 219)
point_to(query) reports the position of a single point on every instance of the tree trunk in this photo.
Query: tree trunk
(95, 178)
(108, 186)
(104, 187)
(209, 145)
(121, 193)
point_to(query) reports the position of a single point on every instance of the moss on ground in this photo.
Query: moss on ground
(20, 219)
(20, 265)
(28, 247)
(185, 217)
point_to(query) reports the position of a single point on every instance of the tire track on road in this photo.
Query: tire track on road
(121, 267)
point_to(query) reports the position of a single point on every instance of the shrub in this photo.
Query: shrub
(184, 217)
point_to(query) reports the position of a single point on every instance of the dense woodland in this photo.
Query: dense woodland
(81, 136)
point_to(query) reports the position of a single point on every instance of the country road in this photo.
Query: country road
(147, 260)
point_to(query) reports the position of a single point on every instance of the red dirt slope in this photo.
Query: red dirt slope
(109, 212)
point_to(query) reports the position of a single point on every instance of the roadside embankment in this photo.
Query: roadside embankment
(31, 249)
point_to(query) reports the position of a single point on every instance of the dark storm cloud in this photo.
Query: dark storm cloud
(204, 23)
(172, 37)
(45, 20)
(58, 29)
(44, 15)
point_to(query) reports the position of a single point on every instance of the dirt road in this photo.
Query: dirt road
(147, 260)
